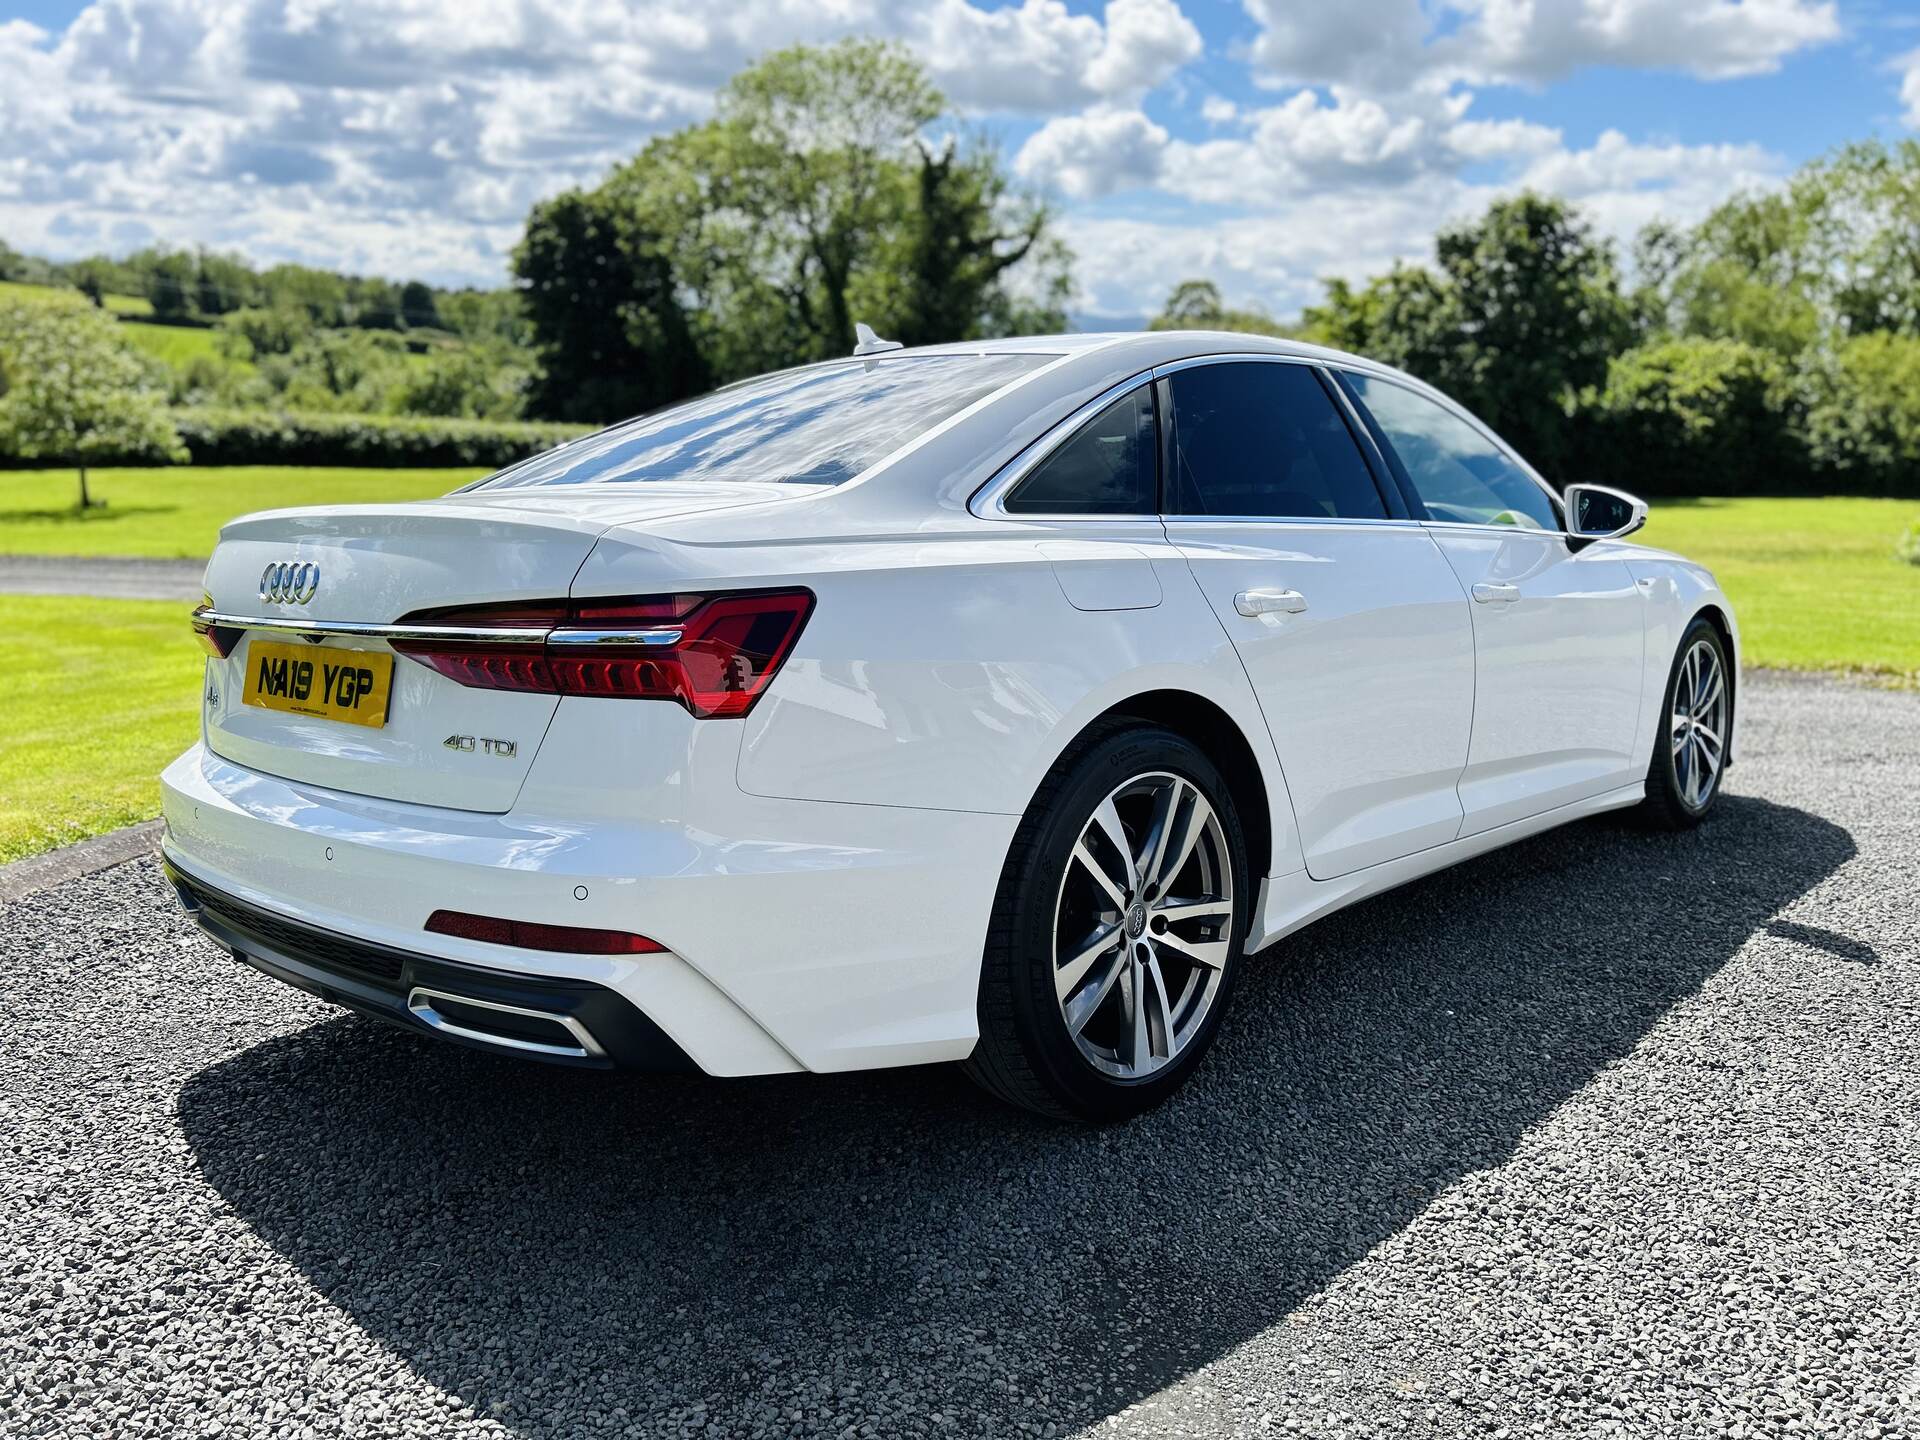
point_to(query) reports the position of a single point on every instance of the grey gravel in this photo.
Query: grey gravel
(111, 577)
(1606, 1134)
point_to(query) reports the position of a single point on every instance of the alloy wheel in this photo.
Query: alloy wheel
(1142, 925)
(1699, 723)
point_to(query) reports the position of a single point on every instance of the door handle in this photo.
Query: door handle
(1269, 602)
(1487, 594)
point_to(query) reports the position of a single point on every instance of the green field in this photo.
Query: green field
(105, 693)
(178, 510)
(118, 304)
(1815, 582)
(177, 345)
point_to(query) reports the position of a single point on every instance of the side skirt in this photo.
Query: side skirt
(1291, 901)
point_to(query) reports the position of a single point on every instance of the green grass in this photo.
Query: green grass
(177, 345)
(118, 304)
(178, 510)
(105, 693)
(1815, 582)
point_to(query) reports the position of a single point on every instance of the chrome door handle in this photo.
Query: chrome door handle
(1269, 602)
(1487, 594)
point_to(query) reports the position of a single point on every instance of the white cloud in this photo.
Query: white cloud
(1909, 65)
(1094, 153)
(1305, 230)
(1383, 45)
(411, 136)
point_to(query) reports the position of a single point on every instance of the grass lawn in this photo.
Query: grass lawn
(178, 511)
(118, 304)
(176, 345)
(105, 693)
(1815, 582)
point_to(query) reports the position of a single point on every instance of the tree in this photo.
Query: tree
(1523, 313)
(609, 331)
(72, 390)
(1198, 305)
(418, 309)
(812, 199)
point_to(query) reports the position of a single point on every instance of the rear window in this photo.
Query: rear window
(815, 426)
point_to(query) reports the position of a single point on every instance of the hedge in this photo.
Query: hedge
(266, 437)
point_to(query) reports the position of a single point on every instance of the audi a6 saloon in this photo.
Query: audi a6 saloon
(985, 703)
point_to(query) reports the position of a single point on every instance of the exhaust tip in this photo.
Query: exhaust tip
(510, 1027)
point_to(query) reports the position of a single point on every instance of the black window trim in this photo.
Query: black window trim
(989, 501)
(1404, 481)
(1396, 507)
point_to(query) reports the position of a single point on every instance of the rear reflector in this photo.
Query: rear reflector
(526, 935)
(712, 654)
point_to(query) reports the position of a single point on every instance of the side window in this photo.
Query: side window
(1457, 472)
(1110, 466)
(1263, 439)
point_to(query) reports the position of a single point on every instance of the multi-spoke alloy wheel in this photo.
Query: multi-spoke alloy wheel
(1120, 915)
(1690, 754)
(1699, 722)
(1142, 925)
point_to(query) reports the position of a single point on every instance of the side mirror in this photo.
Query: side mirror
(1595, 512)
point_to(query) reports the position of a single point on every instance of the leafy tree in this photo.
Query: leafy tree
(1198, 305)
(418, 308)
(1696, 416)
(473, 382)
(1863, 421)
(72, 390)
(1524, 311)
(264, 331)
(754, 241)
(611, 335)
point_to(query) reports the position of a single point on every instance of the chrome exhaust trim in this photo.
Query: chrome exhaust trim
(420, 1001)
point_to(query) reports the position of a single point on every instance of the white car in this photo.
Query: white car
(984, 703)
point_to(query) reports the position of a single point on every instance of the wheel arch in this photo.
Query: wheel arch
(1722, 623)
(1216, 733)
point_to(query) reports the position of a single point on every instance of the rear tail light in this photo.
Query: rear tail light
(217, 640)
(713, 654)
(525, 934)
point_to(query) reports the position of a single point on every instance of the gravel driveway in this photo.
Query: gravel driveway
(1607, 1133)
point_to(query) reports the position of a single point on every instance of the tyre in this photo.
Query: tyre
(1689, 751)
(1116, 930)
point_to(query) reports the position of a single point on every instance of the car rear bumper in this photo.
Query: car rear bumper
(799, 935)
(563, 1022)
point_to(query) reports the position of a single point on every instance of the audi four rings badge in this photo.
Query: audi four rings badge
(290, 584)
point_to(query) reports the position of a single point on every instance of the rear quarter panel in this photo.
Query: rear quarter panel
(949, 670)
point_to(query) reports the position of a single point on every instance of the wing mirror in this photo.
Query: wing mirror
(1595, 512)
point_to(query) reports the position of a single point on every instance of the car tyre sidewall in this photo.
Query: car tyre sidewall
(1027, 901)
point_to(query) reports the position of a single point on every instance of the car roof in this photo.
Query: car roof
(1152, 347)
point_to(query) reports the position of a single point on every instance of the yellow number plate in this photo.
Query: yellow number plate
(349, 685)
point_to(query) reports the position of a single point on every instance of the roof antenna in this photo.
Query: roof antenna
(870, 343)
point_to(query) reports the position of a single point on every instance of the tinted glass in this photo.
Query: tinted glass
(1252, 439)
(1109, 467)
(815, 426)
(1458, 473)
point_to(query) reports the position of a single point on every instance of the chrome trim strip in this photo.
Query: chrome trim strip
(420, 1001)
(669, 635)
(1234, 357)
(205, 620)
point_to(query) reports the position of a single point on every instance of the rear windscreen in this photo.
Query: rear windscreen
(815, 426)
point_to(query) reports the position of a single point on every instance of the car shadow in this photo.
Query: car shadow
(538, 1240)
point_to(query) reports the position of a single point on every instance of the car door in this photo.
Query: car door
(1351, 625)
(1559, 628)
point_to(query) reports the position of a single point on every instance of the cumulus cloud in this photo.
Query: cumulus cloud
(1386, 44)
(411, 136)
(1094, 153)
(1298, 228)
(1909, 66)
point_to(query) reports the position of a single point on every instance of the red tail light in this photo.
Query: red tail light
(714, 654)
(573, 939)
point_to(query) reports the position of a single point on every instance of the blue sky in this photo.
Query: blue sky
(1268, 144)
